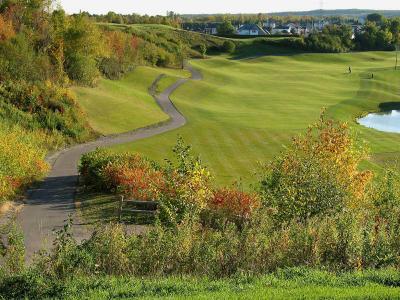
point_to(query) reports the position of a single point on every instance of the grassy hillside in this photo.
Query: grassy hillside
(245, 111)
(163, 45)
(116, 106)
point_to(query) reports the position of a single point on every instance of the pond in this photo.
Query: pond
(387, 121)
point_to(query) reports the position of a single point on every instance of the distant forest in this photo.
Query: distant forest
(174, 19)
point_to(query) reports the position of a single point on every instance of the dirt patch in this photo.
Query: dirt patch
(8, 207)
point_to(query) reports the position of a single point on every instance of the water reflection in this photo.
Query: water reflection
(387, 121)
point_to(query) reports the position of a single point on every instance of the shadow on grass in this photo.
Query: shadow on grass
(259, 48)
(387, 106)
(103, 208)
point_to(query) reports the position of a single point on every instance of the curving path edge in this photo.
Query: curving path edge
(50, 204)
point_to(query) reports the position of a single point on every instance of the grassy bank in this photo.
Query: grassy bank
(284, 284)
(117, 106)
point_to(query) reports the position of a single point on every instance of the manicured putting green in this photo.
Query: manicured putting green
(245, 111)
(117, 106)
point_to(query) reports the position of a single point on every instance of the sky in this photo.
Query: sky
(153, 7)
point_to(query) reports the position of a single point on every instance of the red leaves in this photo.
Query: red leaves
(134, 177)
(234, 202)
(139, 183)
(134, 42)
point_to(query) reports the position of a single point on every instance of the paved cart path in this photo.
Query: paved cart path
(50, 204)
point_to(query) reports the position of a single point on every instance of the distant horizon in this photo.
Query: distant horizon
(211, 7)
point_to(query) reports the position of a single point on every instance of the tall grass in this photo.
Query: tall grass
(22, 156)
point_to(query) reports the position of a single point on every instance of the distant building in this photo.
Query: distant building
(211, 30)
(269, 24)
(208, 28)
(286, 29)
(355, 30)
(251, 29)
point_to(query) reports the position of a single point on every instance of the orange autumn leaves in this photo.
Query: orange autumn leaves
(121, 44)
(234, 202)
(135, 178)
(6, 29)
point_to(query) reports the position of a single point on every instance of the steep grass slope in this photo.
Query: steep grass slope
(117, 106)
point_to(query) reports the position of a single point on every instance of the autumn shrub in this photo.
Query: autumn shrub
(234, 203)
(122, 54)
(91, 166)
(314, 208)
(129, 174)
(138, 182)
(188, 186)
(317, 175)
(50, 106)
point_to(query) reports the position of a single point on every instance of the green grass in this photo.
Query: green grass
(258, 289)
(97, 208)
(295, 283)
(245, 111)
(123, 105)
(165, 82)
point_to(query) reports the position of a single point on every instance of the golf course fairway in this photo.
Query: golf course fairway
(244, 111)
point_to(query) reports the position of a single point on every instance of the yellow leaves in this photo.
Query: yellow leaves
(6, 29)
(21, 160)
(196, 189)
(318, 174)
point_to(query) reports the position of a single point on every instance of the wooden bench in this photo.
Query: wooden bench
(139, 207)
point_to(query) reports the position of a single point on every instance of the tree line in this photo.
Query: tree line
(378, 33)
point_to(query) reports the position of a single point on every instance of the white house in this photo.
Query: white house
(269, 24)
(251, 29)
(286, 29)
(211, 30)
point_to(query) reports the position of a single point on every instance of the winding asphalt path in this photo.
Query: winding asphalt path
(49, 205)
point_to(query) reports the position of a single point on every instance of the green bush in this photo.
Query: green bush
(92, 166)
(203, 50)
(111, 68)
(12, 249)
(344, 242)
(20, 61)
(228, 47)
(82, 69)
(48, 105)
